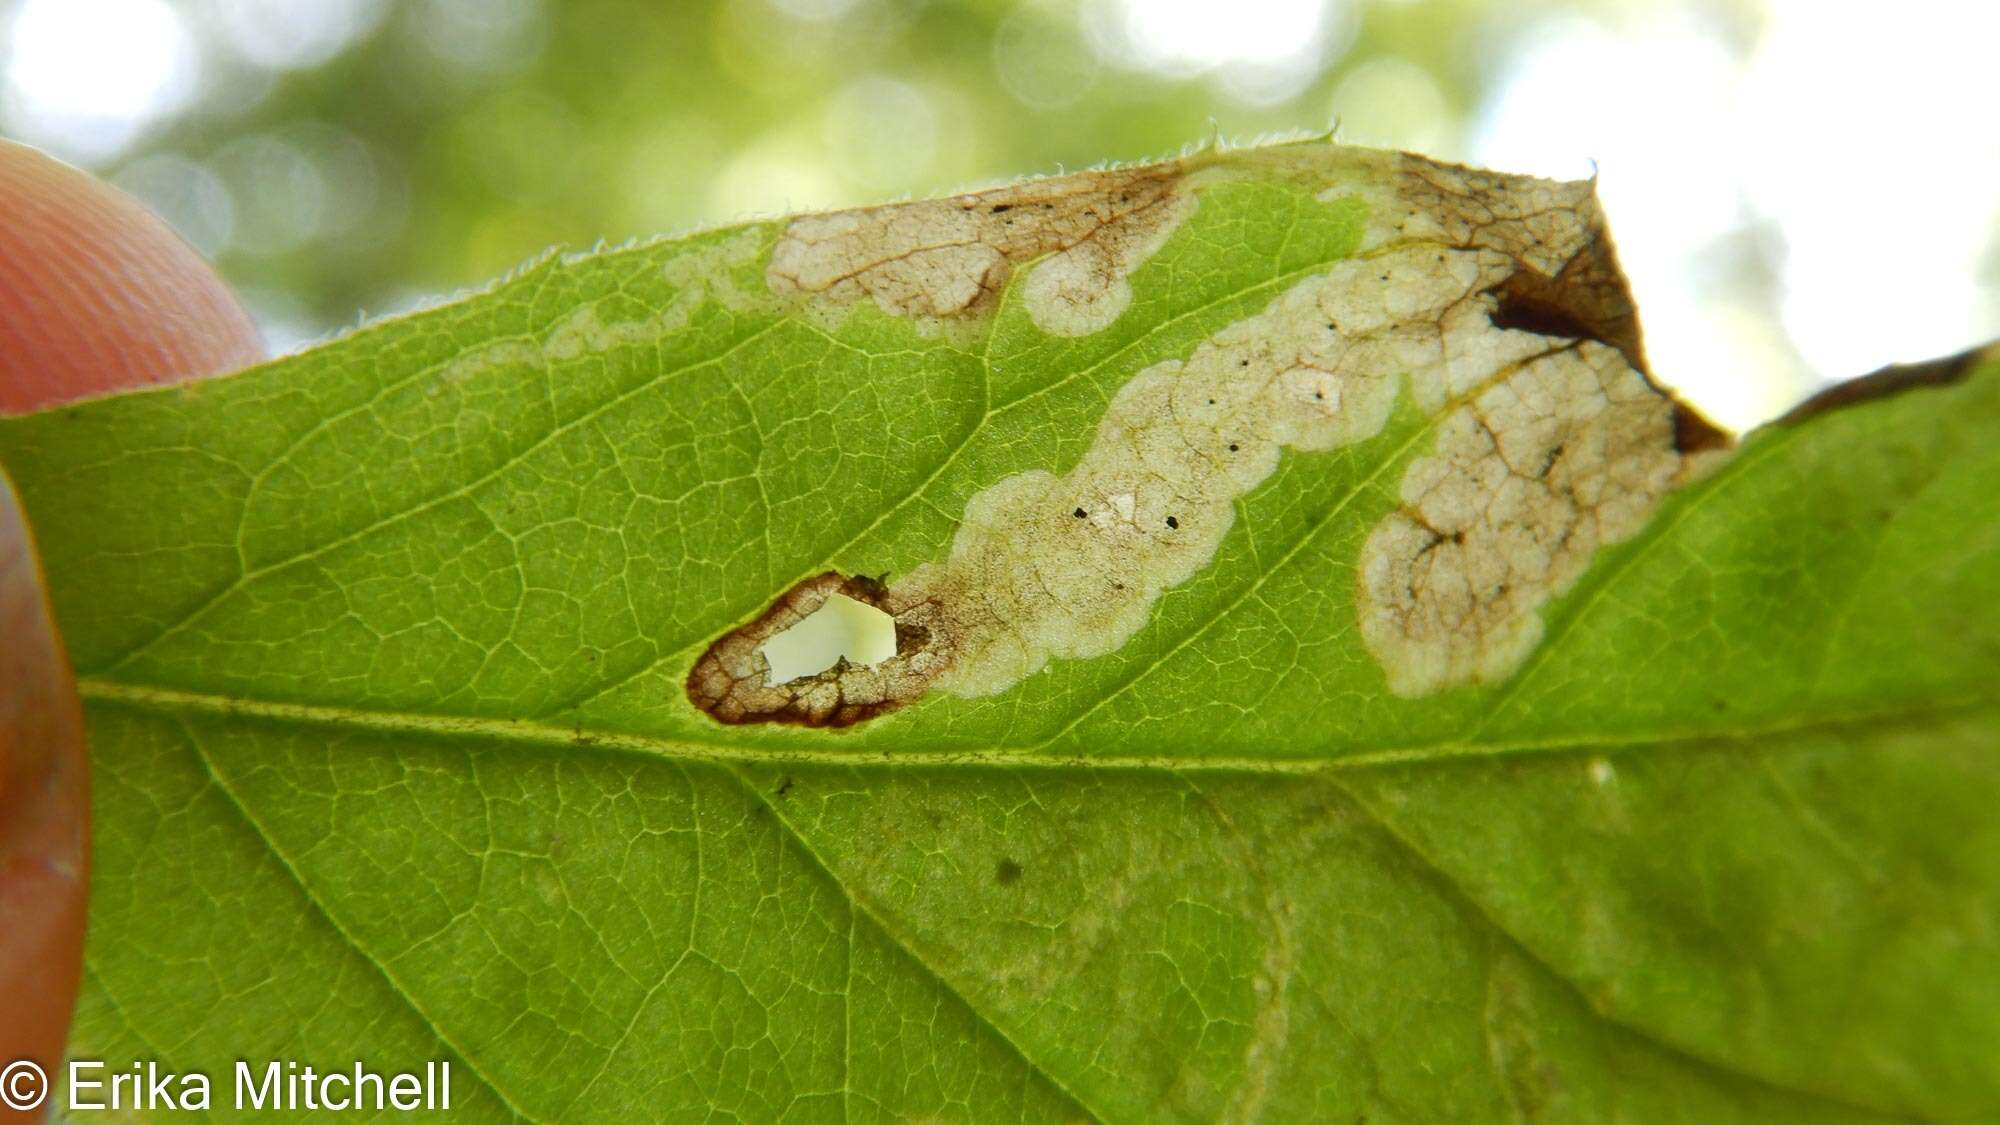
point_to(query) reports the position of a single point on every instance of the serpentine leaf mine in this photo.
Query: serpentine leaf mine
(1494, 299)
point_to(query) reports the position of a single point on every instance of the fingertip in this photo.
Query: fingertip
(97, 294)
(44, 810)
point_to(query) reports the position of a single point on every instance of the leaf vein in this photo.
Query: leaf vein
(319, 908)
(859, 907)
(1478, 909)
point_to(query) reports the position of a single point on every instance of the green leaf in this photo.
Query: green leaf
(1652, 781)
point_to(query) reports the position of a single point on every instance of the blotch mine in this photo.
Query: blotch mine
(941, 259)
(1563, 456)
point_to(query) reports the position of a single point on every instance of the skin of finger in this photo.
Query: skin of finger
(97, 294)
(44, 807)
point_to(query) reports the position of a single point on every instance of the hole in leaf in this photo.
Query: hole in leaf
(840, 627)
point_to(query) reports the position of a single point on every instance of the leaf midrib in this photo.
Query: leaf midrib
(857, 906)
(95, 688)
(572, 738)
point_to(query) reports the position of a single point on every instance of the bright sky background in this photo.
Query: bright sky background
(1849, 145)
(1858, 136)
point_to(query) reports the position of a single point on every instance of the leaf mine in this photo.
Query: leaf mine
(1495, 299)
(950, 258)
(384, 649)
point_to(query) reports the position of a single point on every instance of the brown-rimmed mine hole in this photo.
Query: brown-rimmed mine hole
(732, 681)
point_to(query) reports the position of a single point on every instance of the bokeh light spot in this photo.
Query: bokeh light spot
(776, 174)
(280, 194)
(816, 11)
(1041, 61)
(189, 196)
(1189, 36)
(85, 77)
(287, 34)
(1261, 52)
(1394, 103)
(479, 35)
(882, 132)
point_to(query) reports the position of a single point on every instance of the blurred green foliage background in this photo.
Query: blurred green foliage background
(342, 157)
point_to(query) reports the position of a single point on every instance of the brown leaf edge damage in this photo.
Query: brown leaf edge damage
(1891, 380)
(1589, 300)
